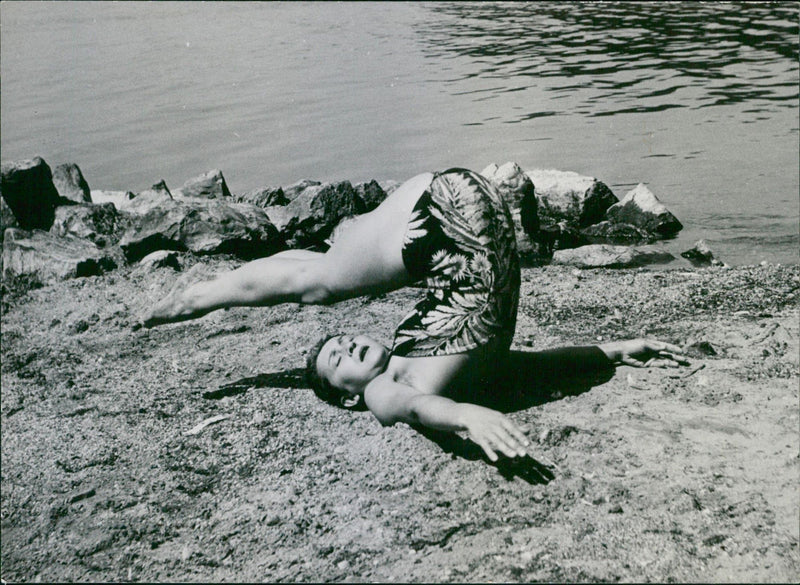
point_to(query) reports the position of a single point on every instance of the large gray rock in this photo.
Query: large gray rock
(202, 227)
(156, 196)
(161, 259)
(309, 219)
(520, 195)
(371, 193)
(565, 196)
(607, 256)
(210, 185)
(70, 184)
(27, 187)
(120, 199)
(560, 236)
(139, 203)
(7, 217)
(49, 257)
(295, 189)
(389, 186)
(96, 222)
(701, 255)
(263, 197)
(510, 181)
(641, 208)
(607, 232)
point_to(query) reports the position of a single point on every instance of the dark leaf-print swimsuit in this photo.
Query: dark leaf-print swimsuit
(460, 241)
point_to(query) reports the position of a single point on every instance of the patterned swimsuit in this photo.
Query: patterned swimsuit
(460, 241)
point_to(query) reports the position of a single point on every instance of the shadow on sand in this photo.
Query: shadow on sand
(526, 379)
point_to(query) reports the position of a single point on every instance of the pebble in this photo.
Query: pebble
(342, 565)
(273, 520)
(81, 495)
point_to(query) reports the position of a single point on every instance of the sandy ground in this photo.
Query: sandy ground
(639, 475)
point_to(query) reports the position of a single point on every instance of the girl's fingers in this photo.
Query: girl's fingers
(676, 357)
(486, 449)
(504, 443)
(515, 432)
(662, 363)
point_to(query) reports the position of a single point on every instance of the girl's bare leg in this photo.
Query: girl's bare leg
(365, 259)
(240, 287)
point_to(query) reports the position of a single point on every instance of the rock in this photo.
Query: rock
(372, 194)
(295, 189)
(131, 202)
(161, 259)
(96, 222)
(701, 255)
(389, 186)
(70, 184)
(560, 237)
(263, 197)
(210, 185)
(510, 180)
(566, 196)
(144, 201)
(161, 187)
(282, 217)
(120, 199)
(51, 257)
(202, 227)
(518, 191)
(7, 217)
(81, 494)
(27, 187)
(309, 219)
(607, 232)
(700, 349)
(607, 256)
(641, 208)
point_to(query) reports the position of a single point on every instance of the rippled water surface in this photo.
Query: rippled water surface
(698, 101)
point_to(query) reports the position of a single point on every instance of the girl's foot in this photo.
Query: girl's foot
(175, 307)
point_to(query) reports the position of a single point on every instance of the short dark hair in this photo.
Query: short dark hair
(319, 384)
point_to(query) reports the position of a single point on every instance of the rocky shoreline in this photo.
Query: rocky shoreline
(54, 226)
(194, 452)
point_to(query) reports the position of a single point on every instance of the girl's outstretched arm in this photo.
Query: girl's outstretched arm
(392, 402)
(641, 353)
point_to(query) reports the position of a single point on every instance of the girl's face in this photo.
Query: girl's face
(350, 363)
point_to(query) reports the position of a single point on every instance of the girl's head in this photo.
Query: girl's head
(339, 367)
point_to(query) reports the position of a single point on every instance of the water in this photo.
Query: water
(697, 101)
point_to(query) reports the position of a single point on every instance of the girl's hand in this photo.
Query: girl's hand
(644, 353)
(492, 431)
